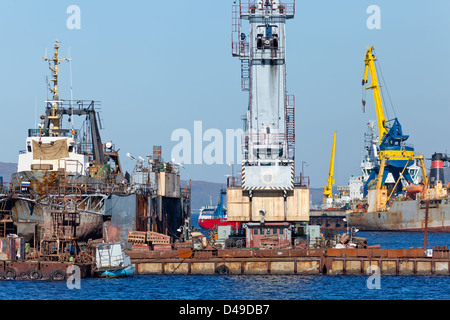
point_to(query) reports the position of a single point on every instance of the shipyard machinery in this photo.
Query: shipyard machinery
(221, 210)
(328, 189)
(395, 157)
(268, 192)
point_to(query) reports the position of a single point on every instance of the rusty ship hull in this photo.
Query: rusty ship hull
(91, 225)
(329, 219)
(407, 215)
(34, 204)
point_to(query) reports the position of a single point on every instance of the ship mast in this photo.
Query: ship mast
(54, 117)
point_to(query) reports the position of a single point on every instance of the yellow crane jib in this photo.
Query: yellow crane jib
(327, 190)
(395, 157)
(370, 67)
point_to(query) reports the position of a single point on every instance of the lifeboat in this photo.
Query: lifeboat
(412, 189)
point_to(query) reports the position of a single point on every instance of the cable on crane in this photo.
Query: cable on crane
(378, 66)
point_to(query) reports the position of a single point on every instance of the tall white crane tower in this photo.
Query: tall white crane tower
(268, 191)
(269, 144)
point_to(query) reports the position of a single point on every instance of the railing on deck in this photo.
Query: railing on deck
(234, 182)
(250, 7)
(263, 138)
(301, 181)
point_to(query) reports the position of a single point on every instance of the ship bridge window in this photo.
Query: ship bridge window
(70, 148)
(29, 148)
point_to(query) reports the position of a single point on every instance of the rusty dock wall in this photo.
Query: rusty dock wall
(40, 270)
(301, 262)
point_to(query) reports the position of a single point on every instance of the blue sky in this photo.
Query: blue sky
(158, 66)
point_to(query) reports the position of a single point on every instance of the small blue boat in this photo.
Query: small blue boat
(112, 262)
(115, 273)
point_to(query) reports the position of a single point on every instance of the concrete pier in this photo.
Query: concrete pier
(231, 266)
(296, 261)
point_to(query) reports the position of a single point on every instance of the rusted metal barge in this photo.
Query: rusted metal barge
(294, 261)
(41, 270)
(254, 262)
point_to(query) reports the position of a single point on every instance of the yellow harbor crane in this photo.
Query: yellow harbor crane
(370, 67)
(394, 155)
(327, 190)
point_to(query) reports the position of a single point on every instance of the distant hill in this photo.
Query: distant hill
(205, 193)
(316, 196)
(6, 170)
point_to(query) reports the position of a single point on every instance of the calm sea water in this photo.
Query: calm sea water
(249, 287)
(237, 287)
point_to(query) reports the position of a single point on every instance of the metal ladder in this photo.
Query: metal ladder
(290, 119)
(6, 222)
(245, 74)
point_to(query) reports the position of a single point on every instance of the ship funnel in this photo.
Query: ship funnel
(437, 169)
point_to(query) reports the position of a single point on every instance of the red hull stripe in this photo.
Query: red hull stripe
(437, 164)
(212, 223)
